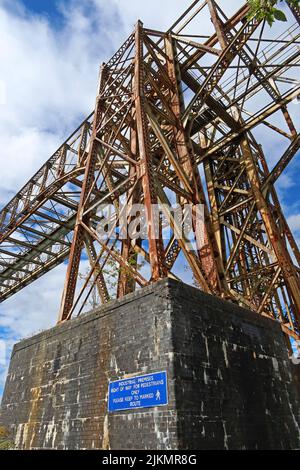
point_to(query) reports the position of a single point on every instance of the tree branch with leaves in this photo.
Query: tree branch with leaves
(269, 10)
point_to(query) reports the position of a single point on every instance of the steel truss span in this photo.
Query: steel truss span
(179, 117)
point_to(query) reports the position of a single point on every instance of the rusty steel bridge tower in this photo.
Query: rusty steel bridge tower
(176, 119)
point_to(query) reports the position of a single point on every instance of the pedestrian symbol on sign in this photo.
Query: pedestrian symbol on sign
(158, 395)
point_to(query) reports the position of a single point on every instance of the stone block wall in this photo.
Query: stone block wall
(231, 384)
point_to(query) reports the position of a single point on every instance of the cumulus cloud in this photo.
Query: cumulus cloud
(23, 151)
(34, 309)
(294, 222)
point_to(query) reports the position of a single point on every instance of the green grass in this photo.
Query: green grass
(6, 442)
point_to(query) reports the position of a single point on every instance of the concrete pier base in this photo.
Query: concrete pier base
(231, 384)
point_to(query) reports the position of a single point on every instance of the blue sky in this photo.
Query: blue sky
(49, 62)
(47, 8)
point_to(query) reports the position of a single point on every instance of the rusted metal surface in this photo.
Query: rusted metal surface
(176, 119)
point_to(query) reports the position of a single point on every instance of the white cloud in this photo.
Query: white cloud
(35, 308)
(161, 15)
(285, 182)
(2, 93)
(23, 152)
(294, 222)
(2, 353)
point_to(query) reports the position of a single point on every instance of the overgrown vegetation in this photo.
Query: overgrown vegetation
(111, 271)
(6, 442)
(269, 10)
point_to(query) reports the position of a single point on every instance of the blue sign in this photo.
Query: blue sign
(145, 391)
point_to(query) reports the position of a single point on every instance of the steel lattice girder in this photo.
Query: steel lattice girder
(175, 119)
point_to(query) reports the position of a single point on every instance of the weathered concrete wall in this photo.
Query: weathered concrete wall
(230, 379)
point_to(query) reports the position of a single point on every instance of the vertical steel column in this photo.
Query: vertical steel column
(78, 237)
(275, 237)
(156, 251)
(208, 255)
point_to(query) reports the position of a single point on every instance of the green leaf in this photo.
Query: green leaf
(270, 18)
(279, 15)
